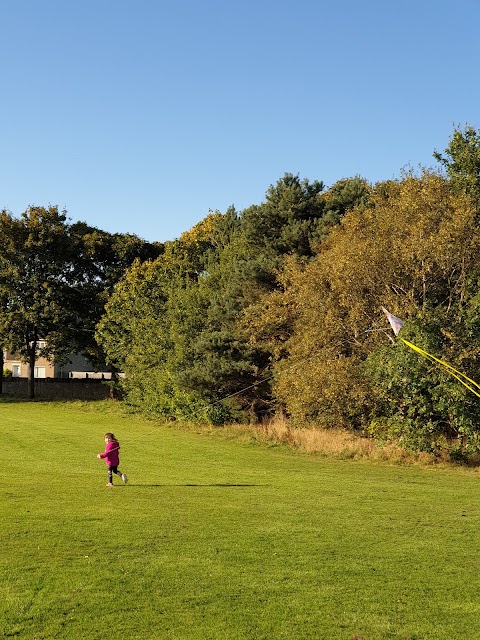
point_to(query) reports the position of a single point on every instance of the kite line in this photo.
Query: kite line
(467, 382)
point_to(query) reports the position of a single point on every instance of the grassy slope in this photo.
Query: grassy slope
(212, 539)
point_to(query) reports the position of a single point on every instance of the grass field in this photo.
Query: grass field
(217, 539)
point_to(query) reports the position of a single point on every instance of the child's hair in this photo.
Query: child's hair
(110, 436)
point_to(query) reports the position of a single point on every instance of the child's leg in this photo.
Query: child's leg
(114, 470)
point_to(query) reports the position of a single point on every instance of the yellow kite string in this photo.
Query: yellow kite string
(461, 377)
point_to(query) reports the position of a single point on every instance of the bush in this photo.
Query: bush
(415, 401)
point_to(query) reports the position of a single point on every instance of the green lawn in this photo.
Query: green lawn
(214, 539)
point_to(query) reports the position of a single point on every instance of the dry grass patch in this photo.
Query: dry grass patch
(334, 443)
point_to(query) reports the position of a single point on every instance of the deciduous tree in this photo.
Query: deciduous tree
(414, 250)
(54, 280)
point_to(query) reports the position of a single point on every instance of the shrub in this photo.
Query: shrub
(415, 401)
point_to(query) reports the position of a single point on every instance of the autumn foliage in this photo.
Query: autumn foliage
(277, 309)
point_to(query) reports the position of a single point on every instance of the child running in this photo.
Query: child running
(112, 458)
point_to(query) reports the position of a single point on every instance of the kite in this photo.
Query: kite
(467, 382)
(395, 322)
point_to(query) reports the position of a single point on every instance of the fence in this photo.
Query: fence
(58, 388)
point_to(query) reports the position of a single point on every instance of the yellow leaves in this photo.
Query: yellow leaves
(202, 231)
(413, 245)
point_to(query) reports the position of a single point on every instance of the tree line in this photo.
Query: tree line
(277, 308)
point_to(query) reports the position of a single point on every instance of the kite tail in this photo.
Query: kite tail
(461, 377)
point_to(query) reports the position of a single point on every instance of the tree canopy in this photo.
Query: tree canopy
(213, 279)
(54, 280)
(413, 251)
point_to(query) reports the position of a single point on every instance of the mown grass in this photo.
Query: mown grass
(215, 539)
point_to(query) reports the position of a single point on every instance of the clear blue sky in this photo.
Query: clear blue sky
(140, 116)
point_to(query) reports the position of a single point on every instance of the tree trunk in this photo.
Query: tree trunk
(2, 363)
(114, 384)
(31, 372)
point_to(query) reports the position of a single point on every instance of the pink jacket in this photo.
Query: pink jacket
(111, 455)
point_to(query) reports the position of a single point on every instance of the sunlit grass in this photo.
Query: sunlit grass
(214, 538)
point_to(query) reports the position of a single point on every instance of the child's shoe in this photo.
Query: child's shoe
(124, 478)
(109, 484)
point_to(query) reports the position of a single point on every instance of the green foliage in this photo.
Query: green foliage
(101, 259)
(36, 266)
(54, 280)
(343, 196)
(285, 224)
(158, 394)
(462, 161)
(151, 322)
(415, 401)
(196, 342)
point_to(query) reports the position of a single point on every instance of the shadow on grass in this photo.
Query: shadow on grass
(218, 484)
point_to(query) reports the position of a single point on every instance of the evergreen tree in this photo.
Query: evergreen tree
(462, 161)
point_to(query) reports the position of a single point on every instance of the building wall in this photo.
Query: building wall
(12, 362)
(76, 367)
(76, 363)
(44, 368)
